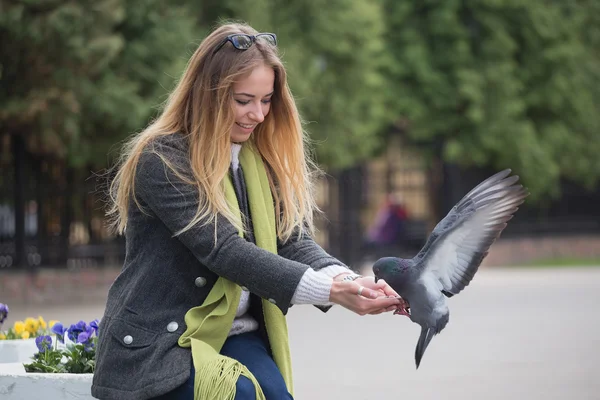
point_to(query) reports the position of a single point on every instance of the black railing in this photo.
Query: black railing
(41, 200)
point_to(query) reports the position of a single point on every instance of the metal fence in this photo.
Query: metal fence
(51, 215)
(575, 212)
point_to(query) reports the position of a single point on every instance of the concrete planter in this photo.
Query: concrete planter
(16, 384)
(17, 351)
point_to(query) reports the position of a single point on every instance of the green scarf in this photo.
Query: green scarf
(209, 324)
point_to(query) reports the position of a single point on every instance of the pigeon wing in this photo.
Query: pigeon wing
(459, 243)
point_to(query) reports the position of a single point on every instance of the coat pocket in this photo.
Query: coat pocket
(130, 335)
(123, 356)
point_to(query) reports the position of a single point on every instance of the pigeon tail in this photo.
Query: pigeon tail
(426, 335)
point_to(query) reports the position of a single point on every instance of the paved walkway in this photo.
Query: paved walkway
(513, 334)
(56, 286)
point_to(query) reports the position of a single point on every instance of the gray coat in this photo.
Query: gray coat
(164, 276)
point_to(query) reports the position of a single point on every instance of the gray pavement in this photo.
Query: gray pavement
(513, 334)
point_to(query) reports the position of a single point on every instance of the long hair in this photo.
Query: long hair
(201, 108)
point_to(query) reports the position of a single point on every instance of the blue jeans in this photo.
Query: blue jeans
(250, 350)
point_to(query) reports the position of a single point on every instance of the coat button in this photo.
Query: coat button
(272, 301)
(128, 339)
(200, 281)
(172, 327)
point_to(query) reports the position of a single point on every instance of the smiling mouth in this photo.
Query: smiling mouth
(245, 126)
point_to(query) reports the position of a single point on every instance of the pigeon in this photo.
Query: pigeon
(452, 254)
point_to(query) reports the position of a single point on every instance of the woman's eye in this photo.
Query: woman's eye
(266, 101)
(242, 102)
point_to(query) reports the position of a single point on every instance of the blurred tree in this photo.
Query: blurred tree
(52, 52)
(158, 38)
(75, 77)
(334, 51)
(502, 83)
(79, 77)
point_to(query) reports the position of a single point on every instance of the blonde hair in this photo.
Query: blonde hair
(201, 108)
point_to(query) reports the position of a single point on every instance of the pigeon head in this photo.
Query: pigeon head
(390, 268)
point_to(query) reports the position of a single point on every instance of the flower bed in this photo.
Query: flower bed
(17, 344)
(76, 353)
(54, 363)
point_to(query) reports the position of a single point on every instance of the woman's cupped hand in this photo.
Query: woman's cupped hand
(365, 296)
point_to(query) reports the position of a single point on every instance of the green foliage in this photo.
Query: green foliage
(157, 38)
(500, 83)
(334, 50)
(48, 362)
(79, 358)
(72, 359)
(52, 53)
(76, 353)
(77, 77)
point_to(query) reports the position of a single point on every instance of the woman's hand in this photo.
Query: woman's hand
(384, 288)
(364, 296)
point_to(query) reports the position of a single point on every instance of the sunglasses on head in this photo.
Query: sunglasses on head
(241, 41)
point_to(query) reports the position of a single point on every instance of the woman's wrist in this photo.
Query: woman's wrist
(337, 288)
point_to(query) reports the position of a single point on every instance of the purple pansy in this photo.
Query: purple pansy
(43, 343)
(3, 313)
(94, 325)
(75, 330)
(59, 330)
(85, 336)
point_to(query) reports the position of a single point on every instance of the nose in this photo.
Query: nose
(257, 115)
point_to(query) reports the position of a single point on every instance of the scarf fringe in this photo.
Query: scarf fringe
(217, 379)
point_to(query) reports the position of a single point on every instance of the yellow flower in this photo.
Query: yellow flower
(52, 323)
(31, 325)
(19, 327)
(25, 335)
(2, 336)
(43, 323)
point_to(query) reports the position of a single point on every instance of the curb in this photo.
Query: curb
(16, 384)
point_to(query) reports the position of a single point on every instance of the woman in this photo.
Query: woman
(215, 200)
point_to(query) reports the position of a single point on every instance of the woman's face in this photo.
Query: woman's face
(251, 102)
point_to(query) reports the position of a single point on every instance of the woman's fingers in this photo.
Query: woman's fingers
(381, 285)
(387, 289)
(377, 306)
(368, 293)
(381, 311)
(362, 299)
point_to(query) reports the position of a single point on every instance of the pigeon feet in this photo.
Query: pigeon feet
(403, 310)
